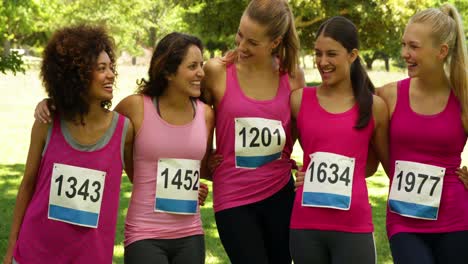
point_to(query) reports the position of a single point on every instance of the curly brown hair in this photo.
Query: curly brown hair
(67, 66)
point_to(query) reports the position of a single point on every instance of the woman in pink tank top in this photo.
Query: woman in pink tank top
(249, 89)
(67, 203)
(173, 136)
(331, 220)
(427, 211)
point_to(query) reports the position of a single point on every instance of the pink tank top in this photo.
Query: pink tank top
(254, 139)
(158, 140)
(42, 240)
(434, 140)
(322, 131)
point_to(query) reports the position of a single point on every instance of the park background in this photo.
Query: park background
(136, 25)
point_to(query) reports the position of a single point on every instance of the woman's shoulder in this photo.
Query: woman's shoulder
(297, 79)
(215, 65)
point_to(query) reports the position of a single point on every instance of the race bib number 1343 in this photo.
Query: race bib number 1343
(76, 195)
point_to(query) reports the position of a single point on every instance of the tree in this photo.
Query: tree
(18, 21)
(380, 23)
(214, 21)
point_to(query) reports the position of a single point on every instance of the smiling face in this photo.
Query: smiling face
(102, 82)
(189, 73)
(333, 60)
(418, 50)
(252, 42)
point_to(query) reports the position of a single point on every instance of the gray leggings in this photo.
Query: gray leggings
(166, 251)
(331, 247)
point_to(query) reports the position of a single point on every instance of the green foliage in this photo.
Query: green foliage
(214, 21)
(11, 62)
(380, 22)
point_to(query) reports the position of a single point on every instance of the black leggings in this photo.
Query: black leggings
(431, 248)
(166, 251)
(325, 247)
(258, 233)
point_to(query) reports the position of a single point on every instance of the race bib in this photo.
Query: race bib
(416, 190)
(258, 141)
(177, 186)
(76, 195)
(328, 181)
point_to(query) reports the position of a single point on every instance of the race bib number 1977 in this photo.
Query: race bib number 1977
(416, 190)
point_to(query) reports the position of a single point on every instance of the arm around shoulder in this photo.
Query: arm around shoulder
(298, 80)
(214, 70)
(128, 151)
(132, 107)
(210, 123)
(388, 93)
(380, 136)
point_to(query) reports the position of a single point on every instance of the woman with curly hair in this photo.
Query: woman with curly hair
(67, 203)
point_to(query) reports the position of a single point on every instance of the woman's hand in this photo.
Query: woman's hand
(202, 193)
(42, 113)
(300, 175)
(214, 161)
(463, 175)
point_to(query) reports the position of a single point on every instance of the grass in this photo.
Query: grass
(19, 97)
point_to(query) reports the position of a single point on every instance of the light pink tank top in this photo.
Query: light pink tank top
(322, 131)
(434, 140)
(157, 140)
(259, 176)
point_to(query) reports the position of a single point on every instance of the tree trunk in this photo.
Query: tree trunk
(369, 62)
(303, 61)
(152, 37)
(6, 47)
(387, 63)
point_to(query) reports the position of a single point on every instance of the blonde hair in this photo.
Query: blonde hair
(447, 28)
(278, 19)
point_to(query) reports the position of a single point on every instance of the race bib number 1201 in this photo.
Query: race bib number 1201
(76, 195)
(258, 141)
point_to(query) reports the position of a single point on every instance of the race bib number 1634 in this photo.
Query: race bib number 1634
(328, 181)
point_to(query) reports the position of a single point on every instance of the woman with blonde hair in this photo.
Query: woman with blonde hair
(249, 89)
(427, 215)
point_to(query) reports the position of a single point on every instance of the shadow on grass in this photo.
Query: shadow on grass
(10, 179)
